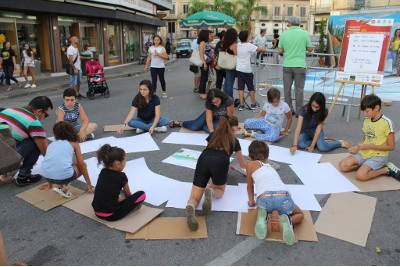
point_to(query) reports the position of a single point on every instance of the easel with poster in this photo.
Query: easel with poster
(363, 55)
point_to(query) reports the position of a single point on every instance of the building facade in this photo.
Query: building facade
(112, 31)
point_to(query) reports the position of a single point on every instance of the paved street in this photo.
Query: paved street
(63, 237)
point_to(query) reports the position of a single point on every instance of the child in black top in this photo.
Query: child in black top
(107, 203)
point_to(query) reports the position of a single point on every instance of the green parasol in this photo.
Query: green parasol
(207, 18)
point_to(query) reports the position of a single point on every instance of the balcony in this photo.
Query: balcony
(162, 4)
(277, 17)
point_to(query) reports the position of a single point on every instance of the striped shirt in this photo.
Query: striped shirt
(71, 115)
(24, 124)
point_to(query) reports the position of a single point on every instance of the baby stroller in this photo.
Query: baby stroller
(143, 57)
(96, 82)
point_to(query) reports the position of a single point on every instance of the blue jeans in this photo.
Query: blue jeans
(394, 57)
(305, 140)
(282, 204)
(30, 153)
(199, 123)
(146, 124)
(270, 133)
(2, 76)
(9, 72)
(230, 76)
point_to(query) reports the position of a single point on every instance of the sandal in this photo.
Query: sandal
(6, 178)
(174, 124)
(67, 194)
(164, 94)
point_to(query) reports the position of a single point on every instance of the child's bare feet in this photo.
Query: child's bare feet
(6, 178)
(45, 186)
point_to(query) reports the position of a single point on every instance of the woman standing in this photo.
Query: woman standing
(394, 44)
(229, 45)
(202, 40)
(158, 56)
(28, 62)
(8, 63)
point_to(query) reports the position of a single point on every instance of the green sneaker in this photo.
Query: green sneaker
(287, 226)
(207, 201)
(261, 224)
(191, 220)
(393, 171)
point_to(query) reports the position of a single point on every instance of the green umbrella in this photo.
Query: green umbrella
(207, 18)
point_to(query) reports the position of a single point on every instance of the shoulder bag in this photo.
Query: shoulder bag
(227, 61)
(70, 70)
(195, 58)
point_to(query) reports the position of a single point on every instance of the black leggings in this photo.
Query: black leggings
(203, 80)
(126, 206)
(160, 72)
(220, 78)
(214, 164)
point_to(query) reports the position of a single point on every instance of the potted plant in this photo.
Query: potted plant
(321, 41)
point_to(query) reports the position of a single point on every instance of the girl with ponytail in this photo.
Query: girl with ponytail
(107, 202)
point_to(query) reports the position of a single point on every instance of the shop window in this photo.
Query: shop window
(28, 33)
(89, 36)
(132, 42)
(113, 42)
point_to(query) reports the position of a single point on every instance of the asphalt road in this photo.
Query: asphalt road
(63, 237)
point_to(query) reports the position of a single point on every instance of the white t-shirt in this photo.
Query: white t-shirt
(27, 58)
(276, 115)
(244, 52)
(260, 41)
(75, 53)
(267, 179)
(156, 61)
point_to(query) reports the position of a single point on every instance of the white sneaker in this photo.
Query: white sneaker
(27, 85)
(33, 86)
(90, 136)
(162, 129)
(139, 131)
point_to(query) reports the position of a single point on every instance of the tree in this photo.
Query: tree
(243, 16)
(198, 6)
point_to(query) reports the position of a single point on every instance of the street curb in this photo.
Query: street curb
(66, 85)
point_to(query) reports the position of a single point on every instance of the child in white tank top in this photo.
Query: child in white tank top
(272, 194)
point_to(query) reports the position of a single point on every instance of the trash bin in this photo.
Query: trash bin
(83, 62)
(38, 67)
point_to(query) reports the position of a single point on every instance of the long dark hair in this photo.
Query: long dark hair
(215, 92)
(29, 52)
(141, 100)
(223, 136)
(107, 155)
(203, 36)
(320, 114)
(230, 37)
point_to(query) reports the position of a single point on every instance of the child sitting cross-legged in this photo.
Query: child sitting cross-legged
(272, 194)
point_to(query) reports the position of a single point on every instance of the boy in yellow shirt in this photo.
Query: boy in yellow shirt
(373, 150)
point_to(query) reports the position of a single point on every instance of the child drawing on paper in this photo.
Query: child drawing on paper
(57, 167)
(214, 163)
(272, 194)
(309, 132)
(107, 202)
(271, 118)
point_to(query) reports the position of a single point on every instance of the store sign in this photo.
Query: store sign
(139, 5)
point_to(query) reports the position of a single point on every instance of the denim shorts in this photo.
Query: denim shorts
(375, 163)
(75, 79)
(78, 126)
(283, 204)
(64, 181)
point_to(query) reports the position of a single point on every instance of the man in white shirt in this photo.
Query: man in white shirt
(75, 61)
(260, 41)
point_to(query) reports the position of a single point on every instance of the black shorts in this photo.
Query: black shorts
(245, 79)
(211, 164)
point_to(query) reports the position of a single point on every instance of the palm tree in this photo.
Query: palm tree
(243, 16)
(198, 6)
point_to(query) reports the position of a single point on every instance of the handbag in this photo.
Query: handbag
(10, 159)
(70, 70)
(194, 69)
(227, 61)
(195, 58)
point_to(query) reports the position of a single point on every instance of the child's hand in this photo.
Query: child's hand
(352, 150)
(145, 69)
(82, 136)
(151, 130)
(120, 198)
(90, 189)
(283, 133)
(310, 149)
(293, 149)
(251, 204)
(121, 130)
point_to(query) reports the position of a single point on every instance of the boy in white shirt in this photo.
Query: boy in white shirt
(243, 68)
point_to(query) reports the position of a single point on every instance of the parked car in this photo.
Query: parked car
(183, 49)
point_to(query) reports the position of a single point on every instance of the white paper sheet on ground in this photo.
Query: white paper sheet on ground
(323, 178)
(93, 170)
(234, 199)
(137, 143)
(303, 198)
(244, 144)
(186, 139)
(181, 195)
(94, 145)
(185, 158)
(51, 138)
(282, 154)
(36, 167)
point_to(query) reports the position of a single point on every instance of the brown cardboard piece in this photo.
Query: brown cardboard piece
(47, 199)
(170, 228)
(381, 183)
(347, 216)
(304, 231)
(130, 223)
(114, 128)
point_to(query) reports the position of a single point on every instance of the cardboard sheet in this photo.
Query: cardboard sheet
(170, 228)
(194, 139)
(114, 128)
(47, 199)
(381, 183)
(347, 216)
(304, 231)
(131, 223)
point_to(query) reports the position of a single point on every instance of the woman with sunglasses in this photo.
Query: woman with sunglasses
(218, 105)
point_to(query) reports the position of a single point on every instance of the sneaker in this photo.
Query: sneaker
(255, 106)
(261, 224)
(207, 201)
(33, 86)
(139, 131)
(27, 180)
(241, 107)
(162, 129)
(393, 171)
(27, 85)
(90, 136)
(80, 96)
(192, 223)
(287, 226)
